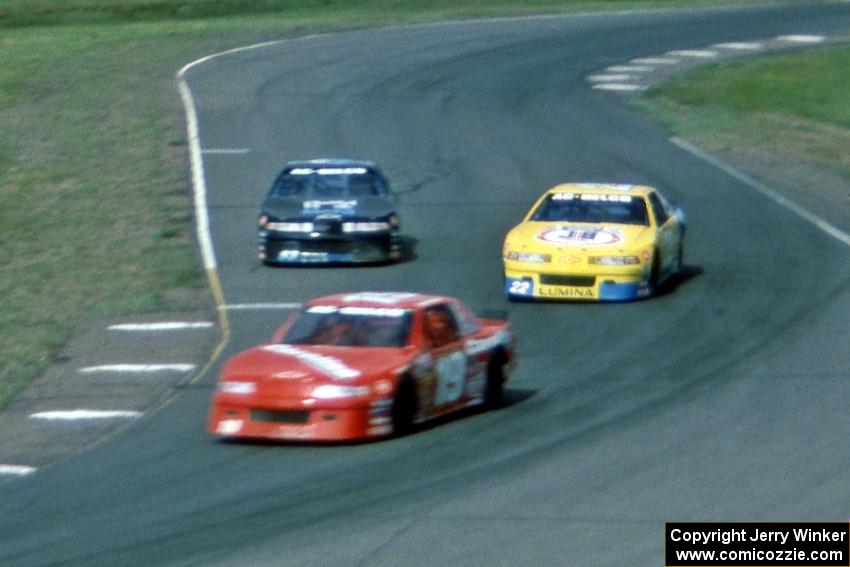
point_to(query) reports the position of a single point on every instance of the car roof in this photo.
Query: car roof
(602, 188)
(331, 162)
(379, 299)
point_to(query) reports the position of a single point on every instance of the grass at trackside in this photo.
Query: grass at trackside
(94, 210)
(95, 203)
(794, 105)
(57, 12)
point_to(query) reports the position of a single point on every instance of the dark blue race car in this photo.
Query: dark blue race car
(329, 211)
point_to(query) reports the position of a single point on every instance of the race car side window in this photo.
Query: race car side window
(379, 184)
(440, 326)
(287, 185)
(661, 214)
(467, 322)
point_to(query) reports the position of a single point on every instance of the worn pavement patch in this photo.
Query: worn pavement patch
(103, 368)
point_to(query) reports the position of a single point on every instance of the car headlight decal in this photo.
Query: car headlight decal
(290, 226)
(365, 226)
(236, 387)
(530, 257)
(613, 260)
(334, 391)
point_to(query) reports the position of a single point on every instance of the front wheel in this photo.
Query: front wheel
(655, 272)
(680, 258)
(496, 375)
(404, 408)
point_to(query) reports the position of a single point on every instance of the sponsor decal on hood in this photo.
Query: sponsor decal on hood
(329, 205)
(333, 367)
(580, 235)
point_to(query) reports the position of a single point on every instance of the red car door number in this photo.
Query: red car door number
(451, 371)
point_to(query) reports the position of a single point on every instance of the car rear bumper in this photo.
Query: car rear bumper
(287, 249)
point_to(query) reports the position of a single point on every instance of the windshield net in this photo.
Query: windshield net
(351, 327)
(592, 208)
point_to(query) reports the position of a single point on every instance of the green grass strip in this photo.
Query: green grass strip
(788, 104)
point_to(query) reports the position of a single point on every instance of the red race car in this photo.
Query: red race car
(363, 365)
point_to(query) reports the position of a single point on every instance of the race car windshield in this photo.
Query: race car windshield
(592, 208)
(328, 183)
(351, 327)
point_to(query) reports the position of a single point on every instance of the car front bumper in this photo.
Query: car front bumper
(527, 284)
(295, 420)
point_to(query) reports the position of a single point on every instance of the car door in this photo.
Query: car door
(442, 333)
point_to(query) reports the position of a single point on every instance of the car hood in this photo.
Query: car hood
(303, 209)
(313, 364)
(546, 237)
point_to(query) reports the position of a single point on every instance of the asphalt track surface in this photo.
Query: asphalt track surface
(724, 399)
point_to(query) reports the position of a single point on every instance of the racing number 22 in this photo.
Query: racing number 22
(520, 287)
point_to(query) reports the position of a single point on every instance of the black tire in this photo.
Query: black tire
(404, 408)
(655, 273)
(680, 263)
(395, 249)
(495, 389)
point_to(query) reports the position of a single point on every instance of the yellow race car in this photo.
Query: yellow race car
(594, 241)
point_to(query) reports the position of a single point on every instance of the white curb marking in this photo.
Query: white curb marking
(199, 184)
(739, 46)
(614, 76)
(79, 414)
(697, 53)
(618, 87)
(654, 61)
(801, 38)
(16, 470)
(164, 326)
(825, 226)
(630, 68)
(226, 151)
(608, 78)
(138, 368)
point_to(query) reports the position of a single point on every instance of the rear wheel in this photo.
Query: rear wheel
(404, 407)
(496, 374)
